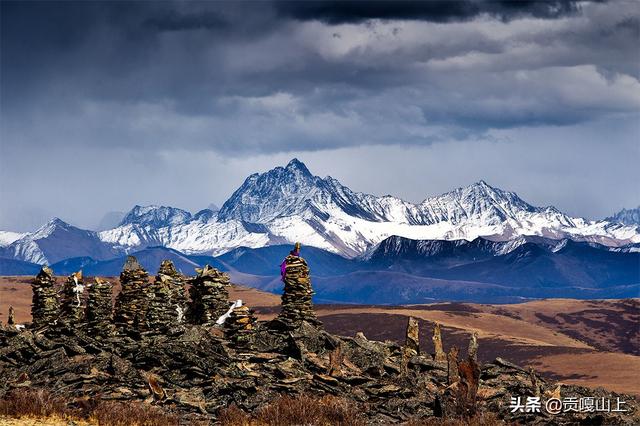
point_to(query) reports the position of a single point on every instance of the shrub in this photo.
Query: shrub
(303, 409)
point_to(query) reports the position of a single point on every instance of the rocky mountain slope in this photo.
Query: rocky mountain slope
(288, 204)
(626, 217)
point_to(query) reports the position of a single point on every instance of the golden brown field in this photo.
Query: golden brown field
(591, 342)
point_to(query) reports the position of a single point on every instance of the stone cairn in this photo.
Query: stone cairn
(45, 306)
(132, 301)
(439, 355)
(412, 341)
(176, 282)
(11, 318)
(100, 308)
(209, 296)
(239, 326)
(161, 314)
(72, 306)
(296, 298)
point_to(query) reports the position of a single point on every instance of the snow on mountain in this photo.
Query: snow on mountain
(288, 204)
(156, 216)
(57, 240)
(7, 237)
(296, 205)
(626, 217)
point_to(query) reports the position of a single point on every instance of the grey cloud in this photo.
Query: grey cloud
(156, 83)
(345, 11)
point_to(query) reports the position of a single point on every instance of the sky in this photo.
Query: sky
(104, 105)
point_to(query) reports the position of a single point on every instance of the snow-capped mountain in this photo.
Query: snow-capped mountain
(294, 204)
(156, 216)
(7, 237)
(58, 240)
(626, 217)
(288, 204)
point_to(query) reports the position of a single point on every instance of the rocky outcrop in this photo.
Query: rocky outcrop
(439, 354)
(195, 370)
(412, 341)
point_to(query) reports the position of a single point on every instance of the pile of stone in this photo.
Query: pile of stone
(296, 298)
(72, 300)
(100, 308)
(11, 318)
(178, 292)
(209, 296)
(239, 326)
(195, 371)
(133, 299)
(45, 306)
(161, 314)
(439, 355)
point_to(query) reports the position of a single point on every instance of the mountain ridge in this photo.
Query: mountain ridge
(288, 204)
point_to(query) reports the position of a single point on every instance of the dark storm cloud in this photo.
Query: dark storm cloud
(140, 84)
(349, 11)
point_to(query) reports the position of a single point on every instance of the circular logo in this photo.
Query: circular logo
(553, 406)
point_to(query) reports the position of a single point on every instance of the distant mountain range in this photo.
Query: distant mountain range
(626, 217)
(477, 243)
(401, 270)
(288, 204)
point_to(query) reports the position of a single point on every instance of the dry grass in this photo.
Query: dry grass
(485, 419)
(36, 403)
(285, 411)
(41, 404)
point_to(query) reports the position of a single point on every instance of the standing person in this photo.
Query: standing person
(283, 266)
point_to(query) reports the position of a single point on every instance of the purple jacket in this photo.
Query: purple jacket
(283, 265)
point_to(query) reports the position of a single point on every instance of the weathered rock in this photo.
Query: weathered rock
(11, 317)
(162, 309)
(178, 292)
(439, 354)
(196, 370)
(473, 347)
(296, 298)
(209, 296)
(72, 312)
(239, 326)
(45, 306)
(412, 341)
(100, 309)
(452, 366)
(133, 300)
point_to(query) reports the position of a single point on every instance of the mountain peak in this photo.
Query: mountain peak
(55, 224)
(626, 217)
(158, 216)
(481, 183)
(296, 165)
